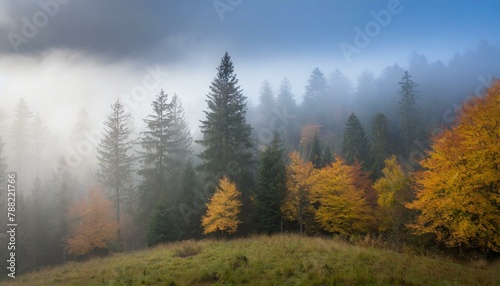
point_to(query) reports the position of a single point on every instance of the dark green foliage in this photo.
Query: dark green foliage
(115, 161)
(166, 143)
(327, 157)
(354, 145)
(226, 134)
(315, 154)
(189, 214)
(380, 143)
(408, 113)
(271, 188)
(162, 225)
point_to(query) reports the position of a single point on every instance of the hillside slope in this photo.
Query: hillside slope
(276, 260)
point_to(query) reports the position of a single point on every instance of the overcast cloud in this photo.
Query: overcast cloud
(89, 53)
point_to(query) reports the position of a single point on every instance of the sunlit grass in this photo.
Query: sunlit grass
(264, 260)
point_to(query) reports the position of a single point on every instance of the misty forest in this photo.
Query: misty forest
(404, 158)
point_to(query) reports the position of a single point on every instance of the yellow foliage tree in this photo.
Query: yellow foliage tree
(394, 191)
(92, 223)
(223, 209)
(297, 201)
(458, 192)
(342, 207)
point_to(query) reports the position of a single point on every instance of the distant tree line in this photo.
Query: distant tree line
(342, 162)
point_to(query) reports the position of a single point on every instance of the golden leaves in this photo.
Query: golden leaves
(458, 192)
(223, 209)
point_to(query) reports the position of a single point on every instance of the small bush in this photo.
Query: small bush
(187, 250)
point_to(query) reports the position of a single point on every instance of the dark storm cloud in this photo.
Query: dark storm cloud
(114, 28)
(168, 30)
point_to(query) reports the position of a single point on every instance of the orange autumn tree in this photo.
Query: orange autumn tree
(342, 207)
(92, 223)
(458, 193)
(223, 209)
(297, 202)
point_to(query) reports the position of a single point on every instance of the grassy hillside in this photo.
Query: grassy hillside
(277, 260)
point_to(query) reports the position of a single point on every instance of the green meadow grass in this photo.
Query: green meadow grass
(265, 260)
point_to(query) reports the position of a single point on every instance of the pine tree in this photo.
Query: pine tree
(166, 143)
(162, 225)
(315, 154)
(271, 188)
(226, 134)
(354, 144)
(408, 113)
(315, 94)
(82, 130)
(285, 97)
(178, 148)
(287, 108)
(266, 106)
(327, 157)
(381, 146)
(190, 211)
(115, 161)
(154, 160)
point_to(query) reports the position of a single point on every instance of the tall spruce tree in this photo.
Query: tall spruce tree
(265, 108)
(316, 92)
(355, 145)
(84, 166)
(226, 134)
(408, 113)
(287, 109)
(178, 148)
(115, 161)
(154, 157)
(380, 143)
(271, 189)
(166, 143)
